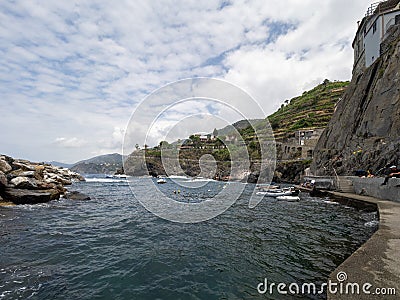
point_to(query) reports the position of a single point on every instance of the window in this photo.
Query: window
(374, 27)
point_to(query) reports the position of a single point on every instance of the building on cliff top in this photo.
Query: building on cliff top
(372, 30)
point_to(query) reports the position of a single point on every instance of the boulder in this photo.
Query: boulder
(39, 172)
(23, 165)
(50, 180)
(3, 180)
(22, 196)
(74, 195)
(4, 166)
(24, 183)
(27, 174)
(63, 180)
(61, 188)
(42, 185)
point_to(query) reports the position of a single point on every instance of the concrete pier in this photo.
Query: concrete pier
(375, 266)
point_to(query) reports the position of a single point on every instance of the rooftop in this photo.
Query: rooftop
(381, 6)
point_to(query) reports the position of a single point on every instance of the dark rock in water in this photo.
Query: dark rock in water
(74, 195)
(252, 178)
(23, 196)
(290, 171)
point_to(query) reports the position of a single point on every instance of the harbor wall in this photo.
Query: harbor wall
(375, 263)
(372, 187)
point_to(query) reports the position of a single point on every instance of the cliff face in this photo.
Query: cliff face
(364, 132)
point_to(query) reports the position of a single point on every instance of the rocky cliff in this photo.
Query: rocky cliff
(364, 132)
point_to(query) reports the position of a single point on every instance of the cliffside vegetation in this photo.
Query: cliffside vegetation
(313, 109)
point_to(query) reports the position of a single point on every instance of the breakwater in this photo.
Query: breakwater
(373, 270)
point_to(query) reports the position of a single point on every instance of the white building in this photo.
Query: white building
(372, 31)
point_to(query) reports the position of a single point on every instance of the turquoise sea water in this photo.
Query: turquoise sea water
(111, 248)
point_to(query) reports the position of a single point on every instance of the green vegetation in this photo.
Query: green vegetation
(313, 109)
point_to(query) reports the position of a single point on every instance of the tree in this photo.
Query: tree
(164, 145)
(137, 147)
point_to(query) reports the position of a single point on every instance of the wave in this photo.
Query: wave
(179, 177)
(372, 223)
(105, 180)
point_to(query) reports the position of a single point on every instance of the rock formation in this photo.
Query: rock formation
(364, 132)
(25, 182)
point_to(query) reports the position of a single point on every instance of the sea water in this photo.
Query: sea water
(110, 247)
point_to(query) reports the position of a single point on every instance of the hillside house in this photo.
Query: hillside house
(372, 31)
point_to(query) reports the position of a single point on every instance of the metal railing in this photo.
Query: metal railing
(372, 8)
(381, 6)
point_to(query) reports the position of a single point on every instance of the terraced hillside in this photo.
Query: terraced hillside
(313, 109)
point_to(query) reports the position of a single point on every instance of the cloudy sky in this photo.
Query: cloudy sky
(73, 72)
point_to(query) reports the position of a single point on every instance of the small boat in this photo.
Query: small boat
(290, 191)
(161, 181)
(275, 193)
(288, 198)
(119, 176)
(116, 176)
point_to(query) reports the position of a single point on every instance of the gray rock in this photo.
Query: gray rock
(74, 195)
(24, 166)
(27, 174)
(3, 179)
(4, 166)
(63, 180)
(24, 183)
(22, 196)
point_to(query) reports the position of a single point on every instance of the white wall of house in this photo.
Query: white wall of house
(372, 40)
(376, 30)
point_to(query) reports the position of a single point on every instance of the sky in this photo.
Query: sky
(72, 73)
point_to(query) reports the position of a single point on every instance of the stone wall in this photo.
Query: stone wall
(372, 187)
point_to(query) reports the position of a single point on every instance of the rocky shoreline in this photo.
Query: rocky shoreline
(26, 182)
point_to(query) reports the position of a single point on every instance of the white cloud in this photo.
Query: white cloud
(73, 142)
(78, 69)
